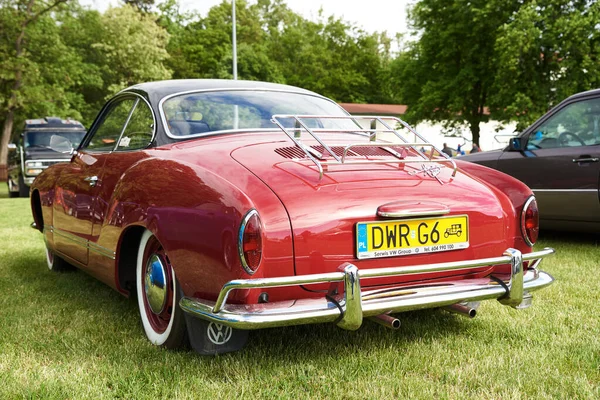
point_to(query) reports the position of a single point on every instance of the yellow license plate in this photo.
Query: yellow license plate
(411, 236)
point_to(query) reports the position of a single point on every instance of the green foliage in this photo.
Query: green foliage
(547, 51)
(277, 45)
(446, 75)
(75, 58)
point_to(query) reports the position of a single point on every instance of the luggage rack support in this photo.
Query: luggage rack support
(300, 126)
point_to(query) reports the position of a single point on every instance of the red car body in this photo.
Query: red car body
(182, 206)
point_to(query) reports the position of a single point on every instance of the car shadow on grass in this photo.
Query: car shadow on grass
(78, 291)
(570, 237)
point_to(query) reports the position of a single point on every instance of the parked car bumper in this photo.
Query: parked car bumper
(349, 308)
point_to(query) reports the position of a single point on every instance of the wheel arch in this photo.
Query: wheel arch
(127, 251)
(36, 210)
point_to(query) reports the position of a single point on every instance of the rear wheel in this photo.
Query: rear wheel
(159, 295)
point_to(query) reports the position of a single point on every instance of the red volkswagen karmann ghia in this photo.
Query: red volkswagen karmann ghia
(231, 205)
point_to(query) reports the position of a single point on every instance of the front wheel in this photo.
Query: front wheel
(159, 295)
(55, 263)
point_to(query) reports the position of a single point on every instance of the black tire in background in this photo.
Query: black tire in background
(11, 194)
(23, 189)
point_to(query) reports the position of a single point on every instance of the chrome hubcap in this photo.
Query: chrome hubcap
(155, 284)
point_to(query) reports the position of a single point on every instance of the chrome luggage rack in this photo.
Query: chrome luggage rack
(318, 159)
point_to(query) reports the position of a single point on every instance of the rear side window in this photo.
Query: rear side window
(139, 130)
(127, 125)
(110, 128)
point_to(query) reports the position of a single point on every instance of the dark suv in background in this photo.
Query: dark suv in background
(33, 154)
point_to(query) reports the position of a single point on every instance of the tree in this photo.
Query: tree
(142, 5)
(547, 51)
(447, 74)
(132, 48)
(17, 17)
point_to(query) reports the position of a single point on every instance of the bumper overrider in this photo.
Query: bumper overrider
(349, 308)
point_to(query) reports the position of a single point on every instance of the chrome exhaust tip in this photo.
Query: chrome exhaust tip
(386, 320)
(467, 309)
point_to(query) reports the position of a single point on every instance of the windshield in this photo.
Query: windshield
(195, 114)
(41, 139)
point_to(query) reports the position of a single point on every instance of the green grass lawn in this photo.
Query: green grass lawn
(69, 336)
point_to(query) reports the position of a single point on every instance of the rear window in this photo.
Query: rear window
(195, 114)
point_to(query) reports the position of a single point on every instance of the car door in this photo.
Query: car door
(561, 162)
(74, 213)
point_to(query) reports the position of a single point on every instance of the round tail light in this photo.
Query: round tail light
(250, 242)
(530, 221)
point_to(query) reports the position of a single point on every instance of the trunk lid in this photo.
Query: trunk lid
(324, 213)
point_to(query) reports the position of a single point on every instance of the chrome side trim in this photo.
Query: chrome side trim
(69, 236)
(82, 242)
(101, 250)
(353, 302)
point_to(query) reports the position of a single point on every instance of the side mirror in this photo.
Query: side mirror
(11, 147)
(515, 144)
(60, 144)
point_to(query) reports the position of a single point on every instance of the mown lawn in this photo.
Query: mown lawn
(69, 336)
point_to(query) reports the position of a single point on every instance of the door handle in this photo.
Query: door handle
(586, 159)
(92, 180)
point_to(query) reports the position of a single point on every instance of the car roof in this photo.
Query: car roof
(593, 92)
(165, 88)
(53, 123)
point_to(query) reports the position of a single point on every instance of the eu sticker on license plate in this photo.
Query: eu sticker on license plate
(411, 236)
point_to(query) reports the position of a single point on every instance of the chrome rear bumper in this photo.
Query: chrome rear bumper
(349, 308)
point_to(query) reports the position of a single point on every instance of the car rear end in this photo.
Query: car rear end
(377, 228)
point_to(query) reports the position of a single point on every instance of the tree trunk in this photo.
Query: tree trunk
(9, 117)
(6, 130)
(475, 130)
(12, 101)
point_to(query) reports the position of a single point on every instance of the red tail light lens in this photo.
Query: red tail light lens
(250, 242)
(530, 221)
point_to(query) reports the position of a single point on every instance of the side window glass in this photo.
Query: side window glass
(110, 128)
(140, 128)
(577, 124)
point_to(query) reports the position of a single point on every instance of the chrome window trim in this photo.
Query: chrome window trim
(227, 131)
(118, 97)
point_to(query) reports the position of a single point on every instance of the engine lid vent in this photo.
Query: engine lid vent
(294, 152)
